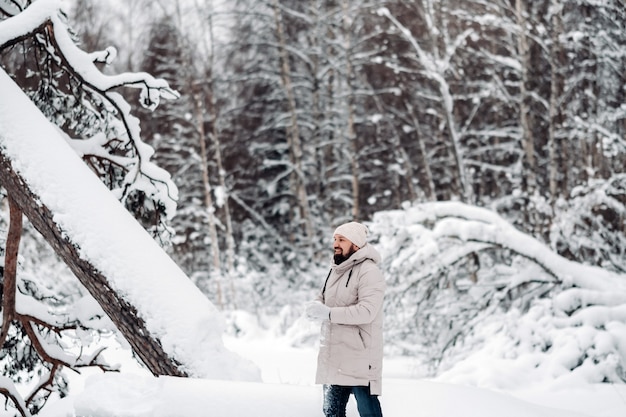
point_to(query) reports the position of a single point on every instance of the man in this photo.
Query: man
(350, 308)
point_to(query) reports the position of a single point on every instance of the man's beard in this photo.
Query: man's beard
(340, 257)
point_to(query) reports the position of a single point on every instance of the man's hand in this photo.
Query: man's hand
(316, 311)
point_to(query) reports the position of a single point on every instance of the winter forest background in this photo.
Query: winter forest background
(483, 142)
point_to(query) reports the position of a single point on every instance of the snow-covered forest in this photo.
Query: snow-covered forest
(483, 142)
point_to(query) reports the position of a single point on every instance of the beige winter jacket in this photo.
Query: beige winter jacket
(351, 346)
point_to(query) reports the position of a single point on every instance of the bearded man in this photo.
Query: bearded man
(350, 307)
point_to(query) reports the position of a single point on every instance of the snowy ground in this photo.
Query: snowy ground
(288, 390)
(403, 395)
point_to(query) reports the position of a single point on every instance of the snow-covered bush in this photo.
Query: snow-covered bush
(466, 287)
(591, 226)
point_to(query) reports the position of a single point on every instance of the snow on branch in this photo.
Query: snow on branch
(23, 24)
(170, 324)
(44, 12)
(143, 186)
(7, 388)
(434, 67)
(470, 223)
(82, 65)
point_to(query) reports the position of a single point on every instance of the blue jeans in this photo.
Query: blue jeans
(336, 398)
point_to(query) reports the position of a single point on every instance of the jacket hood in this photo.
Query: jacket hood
(363, 254)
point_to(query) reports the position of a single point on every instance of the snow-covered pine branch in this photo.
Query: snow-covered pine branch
(143, 187)
(8, 389)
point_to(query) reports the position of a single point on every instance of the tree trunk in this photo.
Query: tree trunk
(9, 282)
(555, 112)
(425, 173)
(293, 134)
(208, 201)
(147, 347)
(350, 134)
(528, 144)
(221, 173)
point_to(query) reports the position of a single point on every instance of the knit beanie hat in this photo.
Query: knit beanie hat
(354, 232)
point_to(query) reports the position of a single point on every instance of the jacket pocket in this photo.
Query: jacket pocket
(357, 366)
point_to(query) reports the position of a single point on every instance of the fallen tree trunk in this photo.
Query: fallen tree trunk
(171, 326)
(147, 347)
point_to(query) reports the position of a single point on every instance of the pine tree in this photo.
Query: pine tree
(70, 90)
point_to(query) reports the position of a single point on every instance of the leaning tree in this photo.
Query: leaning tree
(88, 112)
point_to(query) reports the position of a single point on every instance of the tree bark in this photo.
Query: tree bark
(528, 143)
(355, 167)
(146, 346)
(555, 111)
(293, 134)
(221, 172)
(9, 283)
(425, 173)
(208, 200)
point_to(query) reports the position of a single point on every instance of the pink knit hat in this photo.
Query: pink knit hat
(354, 232)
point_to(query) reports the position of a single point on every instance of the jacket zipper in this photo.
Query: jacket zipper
(324, 289)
